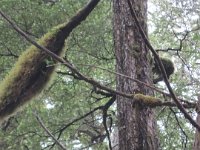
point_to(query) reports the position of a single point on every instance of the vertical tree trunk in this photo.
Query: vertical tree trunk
(196, 145)
(136, 126)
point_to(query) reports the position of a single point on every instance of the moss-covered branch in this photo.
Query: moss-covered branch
(30, 74)
(155, 102)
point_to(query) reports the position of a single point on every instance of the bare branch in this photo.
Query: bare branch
(76, 120)
(47, 131)
(105, 109)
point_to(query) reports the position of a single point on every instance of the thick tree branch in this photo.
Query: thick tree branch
(155, 102)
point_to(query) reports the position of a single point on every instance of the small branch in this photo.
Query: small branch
(168, 49)
(10, 53)
(105, 109)
(47, 131)
(76, 120)
(179, 125)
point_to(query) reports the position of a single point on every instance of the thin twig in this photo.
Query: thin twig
(47, 131)
(105, 109)
(183, 132)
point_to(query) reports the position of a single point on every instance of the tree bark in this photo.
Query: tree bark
(136, 123)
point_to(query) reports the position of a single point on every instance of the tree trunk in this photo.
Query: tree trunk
(196, 145)
(136, 126)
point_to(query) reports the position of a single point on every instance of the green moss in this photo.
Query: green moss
(146, 99)
(28, 73)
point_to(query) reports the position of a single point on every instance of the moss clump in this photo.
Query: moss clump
(147, 100)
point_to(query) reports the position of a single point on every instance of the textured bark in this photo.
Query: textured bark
(196, 145)
(136, 126)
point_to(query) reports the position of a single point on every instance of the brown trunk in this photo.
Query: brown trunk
(196, 145)
(136, 126)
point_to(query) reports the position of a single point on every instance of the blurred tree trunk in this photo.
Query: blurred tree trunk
(136, 126)
(196, 145)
